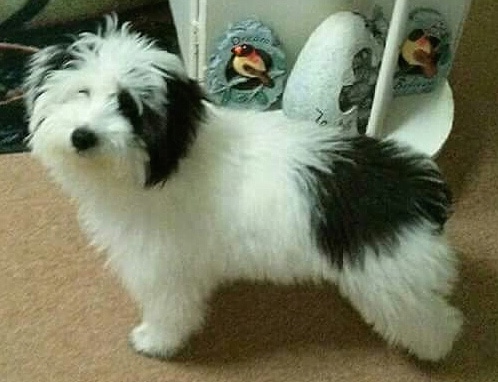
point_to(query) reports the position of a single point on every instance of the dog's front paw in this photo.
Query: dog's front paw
(149, 341)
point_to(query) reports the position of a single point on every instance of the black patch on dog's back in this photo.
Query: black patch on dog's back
(167, 135)
(373, 192)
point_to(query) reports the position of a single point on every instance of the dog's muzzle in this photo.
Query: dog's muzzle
(83, 139)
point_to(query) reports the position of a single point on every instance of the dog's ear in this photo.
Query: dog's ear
(41, 64)
(171, 136)
(169, 133)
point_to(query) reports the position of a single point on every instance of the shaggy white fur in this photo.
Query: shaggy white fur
(238, 206)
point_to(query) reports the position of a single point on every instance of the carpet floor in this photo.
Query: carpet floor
(63, 316)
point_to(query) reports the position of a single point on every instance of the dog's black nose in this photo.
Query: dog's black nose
(83, 138)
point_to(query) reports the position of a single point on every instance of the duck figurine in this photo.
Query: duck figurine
(248, 61)
(419, 52)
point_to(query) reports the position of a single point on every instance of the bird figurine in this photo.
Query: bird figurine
(247, 61)
(420, 50)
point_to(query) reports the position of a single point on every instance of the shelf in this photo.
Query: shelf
(424, 121)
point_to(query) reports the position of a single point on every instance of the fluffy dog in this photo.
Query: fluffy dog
(184, 195)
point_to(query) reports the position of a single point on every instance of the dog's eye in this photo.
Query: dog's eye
(85, 92)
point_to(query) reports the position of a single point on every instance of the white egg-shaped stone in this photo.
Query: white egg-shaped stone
(333, 79)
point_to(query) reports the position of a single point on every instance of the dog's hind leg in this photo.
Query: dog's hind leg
(402, 293)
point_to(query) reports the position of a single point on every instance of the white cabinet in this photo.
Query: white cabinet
(422, 120)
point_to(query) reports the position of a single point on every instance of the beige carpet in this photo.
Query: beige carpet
(63, 317)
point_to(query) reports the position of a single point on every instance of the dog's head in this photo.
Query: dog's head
(111, 102)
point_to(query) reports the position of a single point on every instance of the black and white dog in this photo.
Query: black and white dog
(184, 195)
